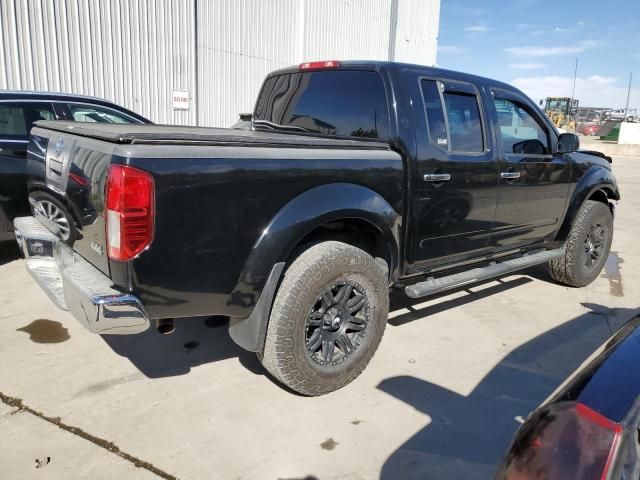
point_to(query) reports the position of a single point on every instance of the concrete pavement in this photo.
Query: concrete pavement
(441, 399)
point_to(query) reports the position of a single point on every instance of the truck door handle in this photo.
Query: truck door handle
(510, 175)
(437, 177)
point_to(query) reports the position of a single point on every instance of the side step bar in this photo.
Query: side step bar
(437, 285)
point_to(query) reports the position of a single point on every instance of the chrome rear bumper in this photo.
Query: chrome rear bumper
(75, 285)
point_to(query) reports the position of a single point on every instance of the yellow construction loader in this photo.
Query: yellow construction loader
(561, 111)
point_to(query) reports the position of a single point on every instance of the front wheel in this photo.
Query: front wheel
(327, 320)
(587, 246)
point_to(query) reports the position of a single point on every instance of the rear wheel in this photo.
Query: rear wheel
(327, 319)
(587, 246)
(54, 210)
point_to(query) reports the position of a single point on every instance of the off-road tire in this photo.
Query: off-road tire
(286, 355)
(570, 268)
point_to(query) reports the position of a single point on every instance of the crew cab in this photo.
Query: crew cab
(355, 177)
(18, 111)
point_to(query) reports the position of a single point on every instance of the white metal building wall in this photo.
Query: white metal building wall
(135, 52)
(132, 52)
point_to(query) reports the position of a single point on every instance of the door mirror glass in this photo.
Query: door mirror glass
(568, 142)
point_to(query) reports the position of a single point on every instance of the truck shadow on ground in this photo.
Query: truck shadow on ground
(8, 252)
(468, 435)
(195, 341)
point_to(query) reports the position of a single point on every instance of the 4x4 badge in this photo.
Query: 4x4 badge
(96, 247)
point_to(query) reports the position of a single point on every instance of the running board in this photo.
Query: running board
(437, 285)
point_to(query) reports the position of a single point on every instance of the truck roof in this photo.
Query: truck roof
(182, 135)
(377, 64)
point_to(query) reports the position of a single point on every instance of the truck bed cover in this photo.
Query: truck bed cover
(184, 135)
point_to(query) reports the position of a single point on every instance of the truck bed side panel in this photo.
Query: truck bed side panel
(213, 203)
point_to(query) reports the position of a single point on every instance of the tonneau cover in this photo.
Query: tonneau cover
(181, 135)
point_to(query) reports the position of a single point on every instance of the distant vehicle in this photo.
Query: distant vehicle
(588, 428)
(589, 129)
(18, 111)
(356, 176)
(619, 115)
(561, 111)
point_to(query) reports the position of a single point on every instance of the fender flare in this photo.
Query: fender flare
(596, 178)
(299, 217)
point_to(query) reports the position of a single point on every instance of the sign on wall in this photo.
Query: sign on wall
(180, 99)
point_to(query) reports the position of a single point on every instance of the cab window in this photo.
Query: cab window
(519, 130)
(348, 103)
(453, 116)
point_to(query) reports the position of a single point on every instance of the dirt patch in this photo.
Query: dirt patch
(329, 444)
(46, 331)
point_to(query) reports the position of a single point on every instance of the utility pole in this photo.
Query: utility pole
(626, 108)
(573, 91)
(575, 74)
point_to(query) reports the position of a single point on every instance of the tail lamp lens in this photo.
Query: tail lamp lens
(564, 441)
(129, 211)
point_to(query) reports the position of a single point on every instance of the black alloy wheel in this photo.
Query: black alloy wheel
(337, 323)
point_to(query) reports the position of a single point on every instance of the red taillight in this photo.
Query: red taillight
(129, 211)
(324, 64)
(567, 440)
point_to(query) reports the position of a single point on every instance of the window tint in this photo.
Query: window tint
(93, 113)
(16, 119)
(465, 128)
(520, 132)
(435, 115)
(338, 102)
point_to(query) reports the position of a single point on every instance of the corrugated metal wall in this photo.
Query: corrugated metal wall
(135, 52)
(132, 52)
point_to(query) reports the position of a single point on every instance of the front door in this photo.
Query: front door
(455, 186)
(534, 180)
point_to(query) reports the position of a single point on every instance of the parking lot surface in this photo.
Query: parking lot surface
(450, 383)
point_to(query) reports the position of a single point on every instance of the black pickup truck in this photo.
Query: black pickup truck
(356, 177)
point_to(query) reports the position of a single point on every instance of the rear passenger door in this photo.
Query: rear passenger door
(534, 180)
(455, 188)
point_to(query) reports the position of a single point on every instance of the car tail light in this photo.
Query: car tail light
(322, 65)
(567, 440)
(129, 211)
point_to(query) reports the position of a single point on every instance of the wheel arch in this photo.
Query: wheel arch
(337, 211)
(599, 185)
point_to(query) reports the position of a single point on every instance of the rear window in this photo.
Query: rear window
(337, 103)
(453, 116)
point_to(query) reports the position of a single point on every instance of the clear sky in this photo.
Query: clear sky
(533, 44)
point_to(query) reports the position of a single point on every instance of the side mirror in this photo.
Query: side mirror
(568, 142)
(541, 102)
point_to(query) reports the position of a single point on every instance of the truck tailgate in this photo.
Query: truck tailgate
(73, 169)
